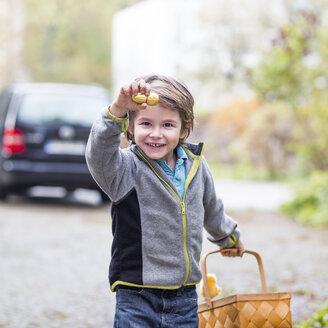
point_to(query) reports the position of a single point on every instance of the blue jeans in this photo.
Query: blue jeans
(156, 308)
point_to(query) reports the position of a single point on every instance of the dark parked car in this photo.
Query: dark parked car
(44, 128)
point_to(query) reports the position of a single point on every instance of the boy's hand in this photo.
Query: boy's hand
(237, 250)
(124, 103)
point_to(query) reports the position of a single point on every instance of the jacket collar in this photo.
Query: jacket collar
(194, 154)
(194, 148)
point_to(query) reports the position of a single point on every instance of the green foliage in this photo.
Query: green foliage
(311, 133)
(289, 70)
(318, 319)
(311, 203)
(295, 72)
(69, 41)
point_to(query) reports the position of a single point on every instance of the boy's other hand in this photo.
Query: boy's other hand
(237, 250)
(124, 103)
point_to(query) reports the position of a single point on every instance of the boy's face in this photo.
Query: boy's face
(157, 131)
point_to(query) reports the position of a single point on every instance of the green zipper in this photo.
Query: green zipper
(190, 176)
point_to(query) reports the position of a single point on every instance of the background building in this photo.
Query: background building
(208, 44)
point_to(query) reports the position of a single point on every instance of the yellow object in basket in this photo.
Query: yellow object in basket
(213, 287)
(141, 98)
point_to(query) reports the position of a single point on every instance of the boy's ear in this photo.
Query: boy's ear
(130, 129)
(184, 133)
(129, 132)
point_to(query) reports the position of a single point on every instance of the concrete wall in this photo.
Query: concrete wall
(149, 37)
(184, 38)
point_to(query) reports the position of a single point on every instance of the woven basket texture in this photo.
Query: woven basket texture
(248, 314)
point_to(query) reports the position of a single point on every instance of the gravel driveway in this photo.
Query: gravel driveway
(55, 255)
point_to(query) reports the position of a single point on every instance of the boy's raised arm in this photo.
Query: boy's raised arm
(107, 164)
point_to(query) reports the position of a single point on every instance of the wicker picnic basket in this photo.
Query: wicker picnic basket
(245, 310)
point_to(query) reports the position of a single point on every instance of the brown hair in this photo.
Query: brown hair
(172, 94)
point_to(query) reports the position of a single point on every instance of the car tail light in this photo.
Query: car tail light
(13, 141)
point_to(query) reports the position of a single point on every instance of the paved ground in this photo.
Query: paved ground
(55, 254)
(253, 195)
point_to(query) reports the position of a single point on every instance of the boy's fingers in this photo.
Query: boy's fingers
(147, 92)
(225, 252)
(125, 100)
(241, 252)
(134, 88)
(240, 248)
(232, 252)
(125, 90)
(142, 84)
(144, 87)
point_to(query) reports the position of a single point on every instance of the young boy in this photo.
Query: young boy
(162, 196)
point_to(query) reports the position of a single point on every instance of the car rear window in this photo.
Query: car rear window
(60, 108)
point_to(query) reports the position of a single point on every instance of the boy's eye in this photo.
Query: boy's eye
(168, 125)
(145, 123)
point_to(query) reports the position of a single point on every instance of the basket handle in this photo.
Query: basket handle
(204, 272)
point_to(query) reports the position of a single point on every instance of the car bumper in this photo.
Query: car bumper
(26, 173)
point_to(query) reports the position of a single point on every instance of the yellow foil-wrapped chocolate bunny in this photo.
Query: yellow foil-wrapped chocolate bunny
(215, 290)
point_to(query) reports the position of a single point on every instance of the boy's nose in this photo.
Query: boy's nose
(156, 132)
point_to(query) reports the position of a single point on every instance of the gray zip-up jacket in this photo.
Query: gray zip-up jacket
(157, 235)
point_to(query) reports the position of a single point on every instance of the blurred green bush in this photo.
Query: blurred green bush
(294, 71)
(70, 42)
(283, 131)
(318, 319)
(310, 205)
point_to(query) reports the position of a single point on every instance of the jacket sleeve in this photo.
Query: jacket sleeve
(221, 228)
(109, 166)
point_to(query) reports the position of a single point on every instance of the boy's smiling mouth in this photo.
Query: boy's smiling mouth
(155, 145)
